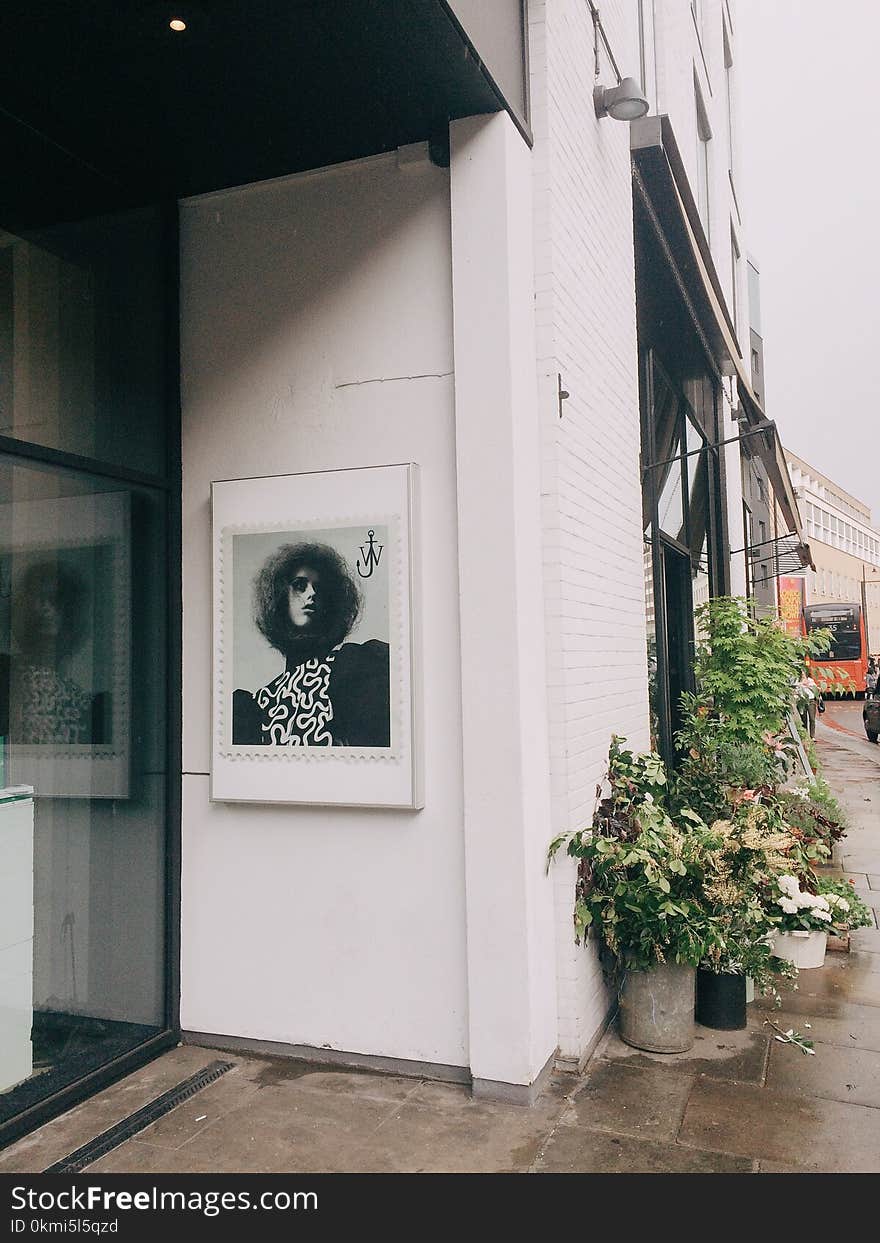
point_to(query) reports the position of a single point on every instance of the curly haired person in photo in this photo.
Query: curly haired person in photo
(330, 693)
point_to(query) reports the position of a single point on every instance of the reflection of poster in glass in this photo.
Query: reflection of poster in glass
(314, 685)
(65, 645)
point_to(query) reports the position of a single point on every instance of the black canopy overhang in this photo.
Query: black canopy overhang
(102, 105)
(661, 186)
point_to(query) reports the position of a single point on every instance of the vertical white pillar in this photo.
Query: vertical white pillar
(511, 973)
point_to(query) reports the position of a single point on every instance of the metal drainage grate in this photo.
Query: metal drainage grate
(138, 1121)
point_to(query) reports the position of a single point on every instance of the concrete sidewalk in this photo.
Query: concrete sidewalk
(738, 1102)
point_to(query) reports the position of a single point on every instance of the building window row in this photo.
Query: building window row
(836, 531)
(836, 586)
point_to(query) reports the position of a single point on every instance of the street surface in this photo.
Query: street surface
(844, 718)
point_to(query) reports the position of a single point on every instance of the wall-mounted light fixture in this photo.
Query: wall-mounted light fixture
(623, 102)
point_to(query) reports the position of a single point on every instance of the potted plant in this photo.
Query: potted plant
(640, 886)
(848, 911)
(751, 850)
(801, 921)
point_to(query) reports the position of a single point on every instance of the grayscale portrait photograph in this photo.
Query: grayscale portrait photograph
(311, 638)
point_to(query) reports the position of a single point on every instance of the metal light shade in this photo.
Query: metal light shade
(624, 102)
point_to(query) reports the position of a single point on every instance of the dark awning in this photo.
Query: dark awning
(664, 191)
(102, 103)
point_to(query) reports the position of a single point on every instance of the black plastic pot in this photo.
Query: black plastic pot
(721, 1000)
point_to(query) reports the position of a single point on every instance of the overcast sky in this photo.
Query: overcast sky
(809, 106)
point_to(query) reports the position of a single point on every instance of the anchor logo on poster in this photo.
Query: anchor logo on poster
(371, 553)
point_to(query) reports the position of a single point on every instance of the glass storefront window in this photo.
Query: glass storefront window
(82, 721)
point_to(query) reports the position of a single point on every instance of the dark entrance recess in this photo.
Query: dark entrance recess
(104, 101)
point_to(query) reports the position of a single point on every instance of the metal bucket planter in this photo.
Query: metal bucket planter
(721, 1000)
(804, 949)
(657, 1008)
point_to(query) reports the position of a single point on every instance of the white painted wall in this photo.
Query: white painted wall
(513, 1030)
(316, 334)
(586, 331)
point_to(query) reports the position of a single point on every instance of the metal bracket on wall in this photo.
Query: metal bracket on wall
(561, 393)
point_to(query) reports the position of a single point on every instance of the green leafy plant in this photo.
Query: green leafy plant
(640, 874)
(848, 911)
(643, 892)
(808, 821)
(746, 666)
(716, 765)
(821, 795)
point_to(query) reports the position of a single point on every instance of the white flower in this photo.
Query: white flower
(826, 915)
(788, 906)
(842, 904)
(789, 885)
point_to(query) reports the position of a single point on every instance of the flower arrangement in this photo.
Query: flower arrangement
(795, 909)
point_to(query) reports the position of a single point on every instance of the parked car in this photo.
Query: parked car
(871, 717)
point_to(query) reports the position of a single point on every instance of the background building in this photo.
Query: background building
(844, 544)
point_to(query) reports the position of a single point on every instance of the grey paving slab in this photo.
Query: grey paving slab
(863, 860)
(722, 1055)
(202, 1110)
(873, 881)
(846, 1020)
(61, 1136)
(866, 940)
(848, 1032)
(841, 1074)
(850, 980)
(858, 879)
(798, 1131)
(776, 1167)
(441, 1129)
(287, 1129)
(578, 1150)
(644, 1101)
(225, 1149)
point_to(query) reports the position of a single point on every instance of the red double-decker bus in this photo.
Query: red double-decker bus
(848, 655)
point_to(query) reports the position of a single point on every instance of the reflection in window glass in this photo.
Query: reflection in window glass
(670, 508)
(701, 585)
(83, 722)
(651, 623)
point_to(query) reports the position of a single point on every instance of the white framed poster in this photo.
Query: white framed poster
(315, 673)
(65, 645)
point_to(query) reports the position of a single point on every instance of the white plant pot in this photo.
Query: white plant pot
(804, 949)
(750, 989)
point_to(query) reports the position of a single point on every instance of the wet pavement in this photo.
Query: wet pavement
(738, 1102)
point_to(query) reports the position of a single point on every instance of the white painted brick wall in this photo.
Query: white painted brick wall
(681, 56)
(585, 307)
